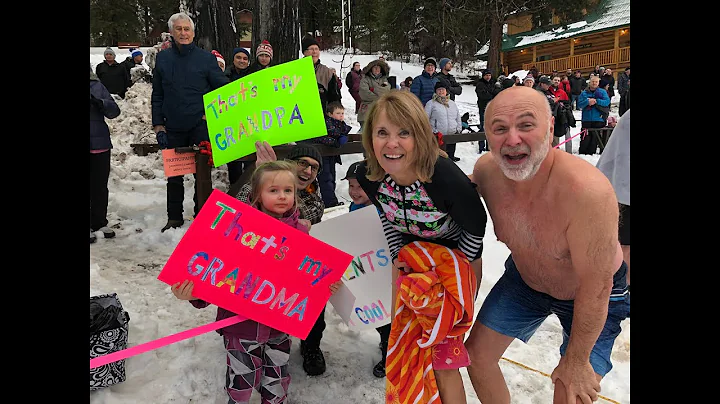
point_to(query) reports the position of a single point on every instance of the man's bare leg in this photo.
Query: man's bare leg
(450, 385)
(485, 347)
(561, 398)
(626, 257)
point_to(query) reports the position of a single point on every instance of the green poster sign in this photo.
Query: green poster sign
(279, 104)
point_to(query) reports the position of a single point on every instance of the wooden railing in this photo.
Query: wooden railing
(585, 61)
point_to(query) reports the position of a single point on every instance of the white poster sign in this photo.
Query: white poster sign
(368, 277)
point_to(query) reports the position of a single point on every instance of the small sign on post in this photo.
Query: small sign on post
(176, 164)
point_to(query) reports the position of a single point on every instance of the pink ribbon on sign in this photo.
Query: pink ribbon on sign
(161, 342)
(579, 133)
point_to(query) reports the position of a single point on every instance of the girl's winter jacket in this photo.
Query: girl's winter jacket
(444, 119)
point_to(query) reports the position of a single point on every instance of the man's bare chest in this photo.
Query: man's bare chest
(536, 227)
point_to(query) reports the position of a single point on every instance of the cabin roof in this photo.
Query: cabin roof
(608, 15)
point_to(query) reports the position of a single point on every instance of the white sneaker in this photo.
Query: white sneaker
(93, 237)
(107, 232)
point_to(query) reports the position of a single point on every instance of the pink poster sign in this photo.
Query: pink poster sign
(254, 265)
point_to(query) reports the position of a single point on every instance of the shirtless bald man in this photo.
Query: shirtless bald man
(568, 263)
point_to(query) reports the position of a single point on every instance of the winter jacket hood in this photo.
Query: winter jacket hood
(384, 67)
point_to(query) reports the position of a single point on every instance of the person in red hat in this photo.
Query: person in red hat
(220, 59)
(263, 56)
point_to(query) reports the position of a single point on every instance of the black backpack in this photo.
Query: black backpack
(348, 80)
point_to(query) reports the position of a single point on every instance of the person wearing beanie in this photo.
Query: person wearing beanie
(423, 86)
(240, 64)
(327, 80)
(239, 68)
(220, 59)
(448, 79)
(306, 157)
(309, 164)
(486, 91)
(137, 55)
(307, 42)
(263, 56)
(359, 201)
(453, 89)
(182, 75)
(113, 75)
(136, 59)
(444, 116)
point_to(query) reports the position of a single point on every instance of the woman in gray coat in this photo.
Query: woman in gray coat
(444, 115)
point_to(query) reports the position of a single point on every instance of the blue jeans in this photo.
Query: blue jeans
(573, 101)
(514, 309)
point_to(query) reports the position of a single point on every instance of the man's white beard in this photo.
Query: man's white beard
(530, 167)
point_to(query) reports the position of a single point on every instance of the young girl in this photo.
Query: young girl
(257, 355)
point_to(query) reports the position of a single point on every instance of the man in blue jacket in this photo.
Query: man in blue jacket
(183, 74)
(423, 86)
(595, 105)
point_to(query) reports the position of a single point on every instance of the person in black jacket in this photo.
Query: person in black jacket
(421, 194)
(577, 85)
(486, 91)
(263, 56)
(453, 89)
(239, 68)
(114, 76)
(183, 74)
(102, 105)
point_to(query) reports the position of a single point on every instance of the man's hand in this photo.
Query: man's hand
(579, 380)
(159, 128)
(264, 153)
(183, 291)
(162, 139)
(592, 101)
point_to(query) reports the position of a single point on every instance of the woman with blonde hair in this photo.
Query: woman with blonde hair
(422, 195)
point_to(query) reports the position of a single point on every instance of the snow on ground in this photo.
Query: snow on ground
(193, 371)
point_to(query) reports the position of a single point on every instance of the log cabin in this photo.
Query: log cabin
(601, 38)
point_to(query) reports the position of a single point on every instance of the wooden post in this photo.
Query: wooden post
(203, 178)
(616, 48)
(534, 56)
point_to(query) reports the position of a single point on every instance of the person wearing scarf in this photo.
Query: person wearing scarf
(444, 116)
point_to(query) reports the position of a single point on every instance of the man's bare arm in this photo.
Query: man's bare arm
(480, 171)
(593, 240)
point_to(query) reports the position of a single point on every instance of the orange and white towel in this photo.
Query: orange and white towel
(435, 302)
